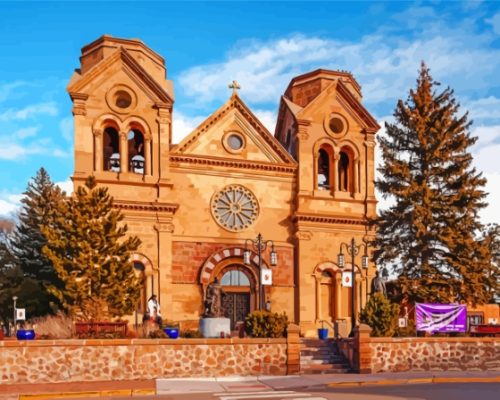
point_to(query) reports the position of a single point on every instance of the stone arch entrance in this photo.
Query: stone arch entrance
(239, 281)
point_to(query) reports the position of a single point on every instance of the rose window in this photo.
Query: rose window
(235, 208)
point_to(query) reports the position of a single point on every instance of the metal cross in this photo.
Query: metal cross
(235, 86)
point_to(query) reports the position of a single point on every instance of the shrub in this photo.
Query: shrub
(409, 331)
(266, 324)
(193, 334)
(157, 334)
(58, 326)
(381, 315)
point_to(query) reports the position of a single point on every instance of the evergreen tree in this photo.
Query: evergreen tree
(381, 315)
(431, 233)
(39, 205)
(87, 246)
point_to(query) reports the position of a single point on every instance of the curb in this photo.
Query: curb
(101, 393)
(413, 381)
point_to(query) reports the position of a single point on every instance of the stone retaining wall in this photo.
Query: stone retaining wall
(44, 361)
(434, 354)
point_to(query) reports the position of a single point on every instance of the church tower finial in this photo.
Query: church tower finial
(235, 86)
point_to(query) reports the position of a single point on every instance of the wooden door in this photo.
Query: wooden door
(236, 306)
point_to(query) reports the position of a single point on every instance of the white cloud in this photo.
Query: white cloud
(24, 133)
(484, 108)
(11, 114)
(490, 213)
(66, 185)
(486, 149)
(66, 127)
(7, 88)
(268, 119)
(9, 204)
(183, 125)
(495, 23)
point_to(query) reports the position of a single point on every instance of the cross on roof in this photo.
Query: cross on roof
(235, 86)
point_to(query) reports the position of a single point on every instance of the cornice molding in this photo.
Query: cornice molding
(228, 163)
(169, 208)
(326, 219)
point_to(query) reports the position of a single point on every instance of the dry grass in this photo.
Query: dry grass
(58, 326)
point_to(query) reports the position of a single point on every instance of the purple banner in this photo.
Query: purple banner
(441, 317)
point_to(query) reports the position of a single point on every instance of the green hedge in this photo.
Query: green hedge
(265, 324)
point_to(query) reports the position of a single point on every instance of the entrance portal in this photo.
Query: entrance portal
(236, 304)
(236, 307)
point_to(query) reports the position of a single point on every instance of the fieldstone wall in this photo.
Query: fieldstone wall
(43, 361)
(433, 354)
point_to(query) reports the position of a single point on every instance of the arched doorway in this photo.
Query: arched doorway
(239, 288)
(327, 293)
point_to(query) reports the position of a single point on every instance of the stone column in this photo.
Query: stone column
(84, 145)
(318, 298)
(164, 230)
(356, 176)
(338, 295)
(370, 169)
(98, 153)
(335, 168)
(293, 349)
(147, 156)
(161, 162)
(123, 151)
(362, 350)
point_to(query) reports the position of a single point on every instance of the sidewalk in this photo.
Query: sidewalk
(233, 384)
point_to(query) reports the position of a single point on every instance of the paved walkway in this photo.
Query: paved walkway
(193, 385)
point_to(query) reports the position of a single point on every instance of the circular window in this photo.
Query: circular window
(235, 142)
(336, 125)
(123, 99)
(235, 208)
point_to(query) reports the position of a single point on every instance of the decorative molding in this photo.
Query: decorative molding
(325, 219)
(97, 132)
(303, 235)
(169, 208)
(372, 125)
(224, 162)
(303, 125)
(164, 227)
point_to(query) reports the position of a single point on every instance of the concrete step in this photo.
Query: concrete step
(326, 369)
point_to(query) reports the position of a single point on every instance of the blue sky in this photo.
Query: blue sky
(260, 44)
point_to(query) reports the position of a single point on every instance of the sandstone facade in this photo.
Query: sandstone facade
(198, 205)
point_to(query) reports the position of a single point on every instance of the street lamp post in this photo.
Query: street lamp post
(260, 245)
(353, 250)
(14, 299)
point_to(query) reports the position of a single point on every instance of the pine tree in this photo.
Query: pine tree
(432, 232)
(39, 205)
(381, 315)
(87, 246)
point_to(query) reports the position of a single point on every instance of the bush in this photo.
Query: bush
(191, 334)
(409, 331)
(265, 324)
(381, 315)
(58, 326)
(157, 334)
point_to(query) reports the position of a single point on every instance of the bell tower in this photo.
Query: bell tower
(122, 108)
(325, 127)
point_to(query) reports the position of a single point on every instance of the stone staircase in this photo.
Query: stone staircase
(321, 357)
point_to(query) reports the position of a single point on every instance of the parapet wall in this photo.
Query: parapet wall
(434, 354)
(43, 361)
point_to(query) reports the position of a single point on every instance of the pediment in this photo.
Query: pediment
(337, 98)
(231, 125)
(121, 67)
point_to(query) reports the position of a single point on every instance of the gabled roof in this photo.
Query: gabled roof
(367, 121)
(235, 103)
(78, 82)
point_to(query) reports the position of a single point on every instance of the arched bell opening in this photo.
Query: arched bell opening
(111, 150)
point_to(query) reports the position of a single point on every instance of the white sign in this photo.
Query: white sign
(347, 279)
(402, 322)
(20, 314)
(266, 276)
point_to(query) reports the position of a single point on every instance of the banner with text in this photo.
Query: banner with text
(441, 317)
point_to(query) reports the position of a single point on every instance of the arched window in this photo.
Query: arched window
(235, 278)
(140, 271)
(344, 171)
(111, 150)
(323, 170)
(136, 151)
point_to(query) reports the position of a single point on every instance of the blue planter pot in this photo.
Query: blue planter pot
(323, 333)
(25, 334)
(173, 333)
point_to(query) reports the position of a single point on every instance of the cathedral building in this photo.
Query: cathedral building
(267, 215)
